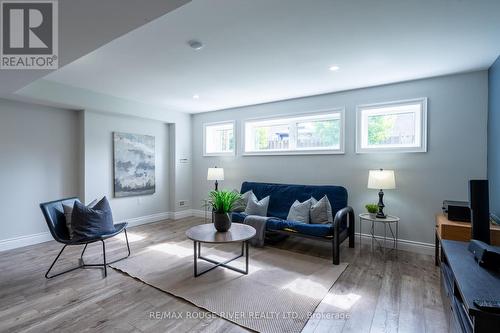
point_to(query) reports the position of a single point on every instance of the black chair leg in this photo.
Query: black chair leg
(81, 255)
(47, 276)
(104, 256)
(351, 236)
(83, 264)
(336, 250)
(128, 250)
(126, 238)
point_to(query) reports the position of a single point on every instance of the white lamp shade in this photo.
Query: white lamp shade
(215, 174)
(381, 180)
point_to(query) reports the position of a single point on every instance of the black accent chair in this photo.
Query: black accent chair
(56, 221)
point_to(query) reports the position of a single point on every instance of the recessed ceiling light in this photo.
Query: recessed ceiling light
(196, 96)
(334, 68)
(195, 44)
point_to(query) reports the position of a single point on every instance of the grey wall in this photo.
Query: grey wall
(181, 170)
(49, 153)
(494, 137)
(39, 162)
(98, 174)
(43, 91)
(457, 118)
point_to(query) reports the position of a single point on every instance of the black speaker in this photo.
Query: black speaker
(480, 210)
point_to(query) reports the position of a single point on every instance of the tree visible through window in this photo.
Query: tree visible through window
(275, 137)
(391, 129)
(394, 126)
(318, 132)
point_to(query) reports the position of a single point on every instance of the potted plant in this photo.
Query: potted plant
(372, 209)
(222, 203)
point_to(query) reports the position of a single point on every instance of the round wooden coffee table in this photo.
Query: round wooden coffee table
(206, 233)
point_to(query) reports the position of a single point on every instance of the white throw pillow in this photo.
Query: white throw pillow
(299, 211)
(245, 197)
(256, 207)
(321, 211)
(241, 204)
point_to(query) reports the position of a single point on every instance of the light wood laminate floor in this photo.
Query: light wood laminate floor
(400, 294)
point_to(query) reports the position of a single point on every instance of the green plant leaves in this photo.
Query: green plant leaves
(223, 201)
(371, 208)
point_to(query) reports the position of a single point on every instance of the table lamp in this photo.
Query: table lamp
(381, 180)
(215, 174)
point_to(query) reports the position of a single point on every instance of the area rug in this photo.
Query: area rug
(279, 294)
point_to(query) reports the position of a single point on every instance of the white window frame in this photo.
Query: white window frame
(205, 125)
(341, 150)
(422, 146)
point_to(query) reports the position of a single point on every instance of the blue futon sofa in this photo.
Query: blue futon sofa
(281, 198)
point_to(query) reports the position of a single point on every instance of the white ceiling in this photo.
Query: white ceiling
(266, 50)
(86, 25)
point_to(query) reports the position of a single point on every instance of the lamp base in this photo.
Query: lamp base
(380, 213)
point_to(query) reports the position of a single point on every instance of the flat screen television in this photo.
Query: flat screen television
(480, 212)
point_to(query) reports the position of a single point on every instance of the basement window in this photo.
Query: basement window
(218, 139)
(317, 133)
(392, 127)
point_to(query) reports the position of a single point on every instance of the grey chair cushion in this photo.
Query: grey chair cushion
(299, 211)
(321, 211)
(92, 222)
(256, 207)
(68, 210)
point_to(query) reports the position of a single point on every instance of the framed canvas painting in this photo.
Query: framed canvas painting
(134, 164)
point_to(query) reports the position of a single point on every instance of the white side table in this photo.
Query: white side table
(389, 221)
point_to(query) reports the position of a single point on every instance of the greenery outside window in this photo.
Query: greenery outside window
(392, 127)
(315, 133)
(219, 139)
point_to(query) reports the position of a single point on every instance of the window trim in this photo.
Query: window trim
(340, 151)
(422, 148)
(205, 125)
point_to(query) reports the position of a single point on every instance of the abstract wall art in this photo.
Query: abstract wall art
(134, 164)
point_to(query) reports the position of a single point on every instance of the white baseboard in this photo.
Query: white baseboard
(403, 244)
(181, 214)
(135, 221)
(21, 241)
(198, 213)
(159, 217)
(17, 242)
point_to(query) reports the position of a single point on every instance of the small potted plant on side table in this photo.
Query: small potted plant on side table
(372, 209)
(222, 203)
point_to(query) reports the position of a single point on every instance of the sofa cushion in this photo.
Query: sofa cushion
(238, 217)
(300, 211)
(321, 211)
(273, 224)
(318, 230)
(282, 196)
